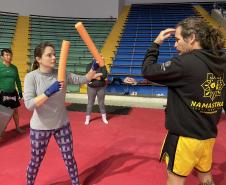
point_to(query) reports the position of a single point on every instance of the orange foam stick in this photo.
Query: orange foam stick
(88, 41)
(63, 60)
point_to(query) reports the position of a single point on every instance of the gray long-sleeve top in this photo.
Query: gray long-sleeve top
(52, 114)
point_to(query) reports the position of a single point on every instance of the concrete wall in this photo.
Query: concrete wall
(63, 8)
(121, 4)
(75, 8)
(165, 1)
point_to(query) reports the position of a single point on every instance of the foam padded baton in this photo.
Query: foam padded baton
(88, 41)
(63, 60)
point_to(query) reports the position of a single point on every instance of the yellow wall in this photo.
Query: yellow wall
(20, 46)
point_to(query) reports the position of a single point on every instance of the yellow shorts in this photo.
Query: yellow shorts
(183, 154)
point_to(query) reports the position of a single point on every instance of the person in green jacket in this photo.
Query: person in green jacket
(9, 78)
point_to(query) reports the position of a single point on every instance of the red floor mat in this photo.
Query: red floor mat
(125, 152)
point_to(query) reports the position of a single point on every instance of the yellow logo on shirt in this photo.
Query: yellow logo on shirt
(213, 86)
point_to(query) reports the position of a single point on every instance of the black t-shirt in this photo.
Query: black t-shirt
(94, 83)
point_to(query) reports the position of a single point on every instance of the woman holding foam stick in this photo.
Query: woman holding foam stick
(45, 96)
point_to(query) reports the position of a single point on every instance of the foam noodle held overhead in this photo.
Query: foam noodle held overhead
(88, 41)
(63, 60)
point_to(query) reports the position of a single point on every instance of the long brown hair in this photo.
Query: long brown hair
(38, 52)
(209, 37)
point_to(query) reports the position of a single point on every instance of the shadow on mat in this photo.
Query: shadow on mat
(109, 117)
(13, 135)
(109, 167)
(110, 109)
(112, 166)
(93, 175)
(218, 178)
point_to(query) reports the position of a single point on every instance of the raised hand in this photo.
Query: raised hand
(165, 34)
(95, 65)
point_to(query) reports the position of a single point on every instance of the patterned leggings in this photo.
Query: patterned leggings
(39, 142)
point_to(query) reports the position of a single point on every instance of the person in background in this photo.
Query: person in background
(196, 92)
(45, 96)
(10, 79)
(96, 88)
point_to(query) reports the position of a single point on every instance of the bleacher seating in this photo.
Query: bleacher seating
(56, 29)
(208, 6)
(7, 28)
(143, 24)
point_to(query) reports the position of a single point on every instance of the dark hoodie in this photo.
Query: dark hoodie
(196, 90)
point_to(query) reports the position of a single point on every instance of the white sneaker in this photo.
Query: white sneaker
(87, 120)
(105, 121)
(104, 118)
